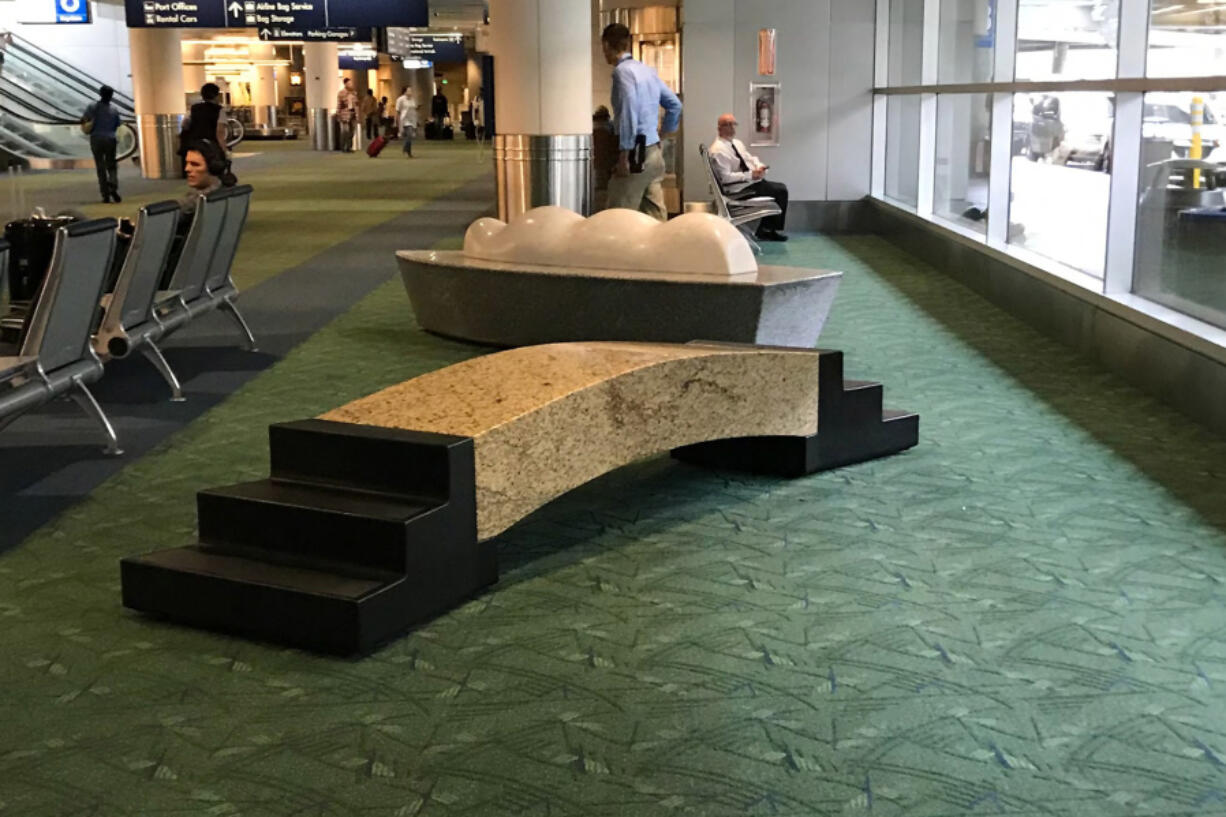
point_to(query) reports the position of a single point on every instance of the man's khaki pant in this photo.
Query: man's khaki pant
(641, 191)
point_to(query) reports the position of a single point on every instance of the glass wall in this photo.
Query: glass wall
(1062, 40)
(1181, 220)
(964, 155)
(906, 42)
(1060, 184)
(967, 36)
(1051, 185)
(902, 149)
(1187, 40)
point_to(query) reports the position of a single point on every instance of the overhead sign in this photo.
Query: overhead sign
(289, 15)
(325, 35)
(446, 47)
(354, 62)
(72, 11)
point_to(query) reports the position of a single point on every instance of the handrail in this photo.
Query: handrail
(36, 101)
(87, 82)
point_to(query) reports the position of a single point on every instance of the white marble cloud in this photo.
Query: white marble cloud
(613, 239)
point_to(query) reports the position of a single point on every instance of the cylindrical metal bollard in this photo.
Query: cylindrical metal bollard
(323, 131)
(159, 145)
(536, 170)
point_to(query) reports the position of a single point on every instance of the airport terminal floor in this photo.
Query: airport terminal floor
(1021, 615)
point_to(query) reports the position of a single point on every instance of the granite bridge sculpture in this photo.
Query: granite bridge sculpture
(380, 514)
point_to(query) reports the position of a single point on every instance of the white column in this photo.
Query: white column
(264, 89)
(321, 76)
(157, 87)
(542, 96)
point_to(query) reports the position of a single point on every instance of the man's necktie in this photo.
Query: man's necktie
(744, 167)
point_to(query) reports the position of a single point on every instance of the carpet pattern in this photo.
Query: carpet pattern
(1021, 616)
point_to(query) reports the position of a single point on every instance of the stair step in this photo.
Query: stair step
(383, 460)
(204, 561)
(312, 522)
(323, 611)
(858, 403)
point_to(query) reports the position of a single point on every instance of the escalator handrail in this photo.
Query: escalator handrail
(48, 94)
(88, 83)
(75, 123)
(32, 101)
(43, 119)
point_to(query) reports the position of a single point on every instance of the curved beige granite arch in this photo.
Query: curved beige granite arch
(546, 419)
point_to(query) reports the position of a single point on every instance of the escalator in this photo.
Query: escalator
(41, 102)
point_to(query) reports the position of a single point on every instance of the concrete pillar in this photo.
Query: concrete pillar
(321, 78)
(264, 89)
(157, 87)
(543, 88)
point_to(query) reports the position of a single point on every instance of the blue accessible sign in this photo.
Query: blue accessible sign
(71, 11)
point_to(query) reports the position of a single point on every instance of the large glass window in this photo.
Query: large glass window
(1181, 223)
(1062, 202)
(1187, 39)
(902, 149)
(1061, 183)
(964, 155)
(967, 36)
(905, 66)
(1067, 39)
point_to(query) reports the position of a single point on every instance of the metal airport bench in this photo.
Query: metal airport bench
(131, 322)
(55, 354)
(55, 357)
(139, 315)
(201, 281)
(740, 213)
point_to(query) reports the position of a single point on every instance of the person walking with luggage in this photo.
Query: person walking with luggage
(346, 114)
(370, 111)
(406, 119)
(101, 122)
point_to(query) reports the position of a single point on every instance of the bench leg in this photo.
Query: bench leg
(233, 312)
(154, 355)
(753, 242)
(85, 399)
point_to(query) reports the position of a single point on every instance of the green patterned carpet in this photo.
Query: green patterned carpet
(1023, 615)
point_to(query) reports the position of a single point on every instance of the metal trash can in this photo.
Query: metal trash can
(533, 170)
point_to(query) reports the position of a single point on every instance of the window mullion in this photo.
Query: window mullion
(1004, 58)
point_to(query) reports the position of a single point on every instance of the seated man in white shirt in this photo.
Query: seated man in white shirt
(741, 176)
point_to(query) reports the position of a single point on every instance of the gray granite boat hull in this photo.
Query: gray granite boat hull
(500, 304)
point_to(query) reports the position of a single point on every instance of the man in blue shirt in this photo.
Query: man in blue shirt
(638, 95)
(101, 120)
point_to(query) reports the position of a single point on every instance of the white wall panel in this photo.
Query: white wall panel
(825, 68)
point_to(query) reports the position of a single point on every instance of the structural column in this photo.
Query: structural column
(157, 86)
(321, 67)
(264, 90)
(543, 93)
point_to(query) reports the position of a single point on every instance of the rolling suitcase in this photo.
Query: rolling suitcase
(376, 145)
(31, 241)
